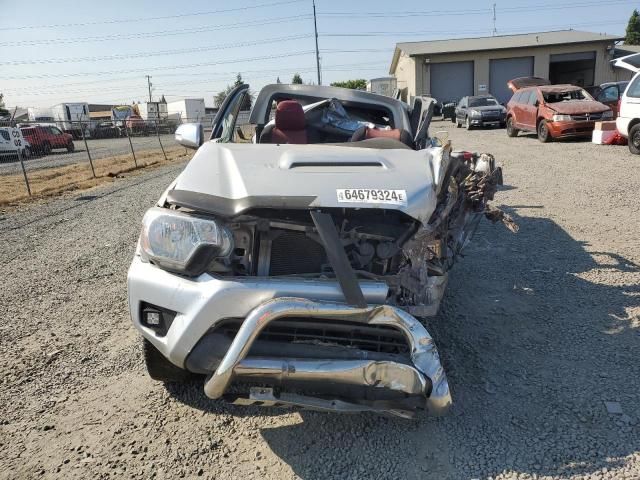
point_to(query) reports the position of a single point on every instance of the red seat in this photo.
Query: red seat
(290, 125)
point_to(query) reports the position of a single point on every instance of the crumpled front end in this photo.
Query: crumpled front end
(311, 298)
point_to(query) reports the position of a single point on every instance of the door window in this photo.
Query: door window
(224, 125)
(633, 90)
(5, 135)
(609, 94)
(533, 97)
(56, 131)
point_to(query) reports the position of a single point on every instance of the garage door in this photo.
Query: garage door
(501, 70)
(451, 81)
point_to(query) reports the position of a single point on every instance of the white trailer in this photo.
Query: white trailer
(152, 110)
(72, 118)
(188, 110)
(382, 86)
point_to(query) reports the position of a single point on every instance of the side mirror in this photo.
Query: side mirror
(190, 135)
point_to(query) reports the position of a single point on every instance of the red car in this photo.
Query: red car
(45, 138)
(554, 111)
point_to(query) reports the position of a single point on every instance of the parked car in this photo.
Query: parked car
(12, 141)
(105, 130)
(43, 139)
(294, 266)
(449, 111)
(609, 93)
(554, 111)
(628, 121)
(480, 111)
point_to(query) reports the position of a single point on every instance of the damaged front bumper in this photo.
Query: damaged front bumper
(202, 305)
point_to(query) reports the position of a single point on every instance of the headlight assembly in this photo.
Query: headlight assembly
(183, 243)
(561, 118)
(475, 113)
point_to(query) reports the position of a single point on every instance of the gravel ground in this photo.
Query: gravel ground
(537, 332)
(99, 148)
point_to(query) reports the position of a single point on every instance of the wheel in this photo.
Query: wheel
(512, 131)
(467, 123)
(70, 147)
(46, 148)
(161, 369)
(543, 132)
(634, 139)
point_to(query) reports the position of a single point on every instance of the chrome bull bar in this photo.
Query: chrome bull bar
(426, 377)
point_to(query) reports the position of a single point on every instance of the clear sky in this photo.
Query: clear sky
(99, 52)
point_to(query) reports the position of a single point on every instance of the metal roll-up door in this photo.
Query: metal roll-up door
(451, 81)
(501, 70)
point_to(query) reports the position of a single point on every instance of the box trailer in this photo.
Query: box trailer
(72, 118)
(382, 86)
(152, 110)
(188, 110)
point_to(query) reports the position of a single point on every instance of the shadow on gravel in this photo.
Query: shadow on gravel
(536, 334)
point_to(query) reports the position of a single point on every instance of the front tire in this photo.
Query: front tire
(634, 139)
(71, 147)
(161, 369)
(46, 148)
(512, 131)
(543, 132)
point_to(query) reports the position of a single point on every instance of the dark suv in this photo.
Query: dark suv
(480, 111)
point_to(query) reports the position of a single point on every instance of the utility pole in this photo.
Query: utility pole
(315, 26)
(149, 85)
(495, 32)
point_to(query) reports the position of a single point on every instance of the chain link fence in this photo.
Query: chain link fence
(40, 158)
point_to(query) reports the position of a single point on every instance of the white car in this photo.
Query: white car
(628, 121)
(11, 140)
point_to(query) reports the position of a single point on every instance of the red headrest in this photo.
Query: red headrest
(290, 116)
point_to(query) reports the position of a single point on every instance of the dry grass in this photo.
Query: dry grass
(56, 180)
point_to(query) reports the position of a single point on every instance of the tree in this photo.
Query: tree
(633, 29)
(278, 80)
(297, 79)
(246, 103)
(3, 111)
(358, 84)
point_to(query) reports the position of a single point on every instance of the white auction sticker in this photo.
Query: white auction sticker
(372, 195)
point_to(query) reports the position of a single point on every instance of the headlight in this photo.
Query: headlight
(183, 243)
(561, 118)
(475, 113)
(607, 114)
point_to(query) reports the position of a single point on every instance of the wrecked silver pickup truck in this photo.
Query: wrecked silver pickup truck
(292, 269)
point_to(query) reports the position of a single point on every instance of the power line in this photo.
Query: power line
(147, 19)
(170, 67)
(155, 54)
(154, 34)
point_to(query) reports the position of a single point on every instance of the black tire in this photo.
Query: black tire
(543, 132)
(512, 131)
(634, 139)
(161, 369)
(70, 147)
(458, 123)
(46, 148)
(467, 124)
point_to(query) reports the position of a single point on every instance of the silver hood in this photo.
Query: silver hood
(228, 179)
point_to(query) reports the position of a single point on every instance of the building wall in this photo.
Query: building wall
(420, 83)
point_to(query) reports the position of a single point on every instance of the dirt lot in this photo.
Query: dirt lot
(538, 331)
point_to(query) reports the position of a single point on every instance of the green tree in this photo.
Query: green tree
(633, 29)
(358, 84)
(297, 79)
(220, 96)
(3, 111)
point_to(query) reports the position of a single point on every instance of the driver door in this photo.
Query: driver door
(223, 128)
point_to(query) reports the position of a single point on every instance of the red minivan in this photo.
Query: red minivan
(44, 138)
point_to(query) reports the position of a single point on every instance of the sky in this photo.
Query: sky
(100, 52)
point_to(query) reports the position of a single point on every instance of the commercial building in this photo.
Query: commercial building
(451, 69)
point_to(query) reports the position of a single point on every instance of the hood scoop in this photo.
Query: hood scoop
(330, 163)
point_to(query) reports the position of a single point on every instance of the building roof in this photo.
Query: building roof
(499, 42)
